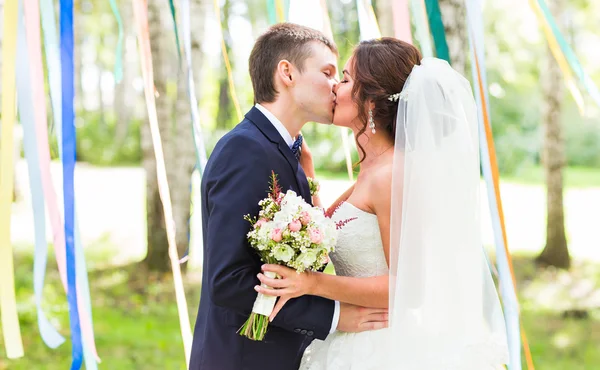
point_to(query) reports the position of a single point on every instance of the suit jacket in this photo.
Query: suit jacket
(235, 179)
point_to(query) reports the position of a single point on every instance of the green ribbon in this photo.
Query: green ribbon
(174, 15)
(271, 11)
(437, 29)
(585, 79)
(119, 53)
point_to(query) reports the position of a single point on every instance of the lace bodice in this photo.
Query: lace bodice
(359, 250)
(358, 253)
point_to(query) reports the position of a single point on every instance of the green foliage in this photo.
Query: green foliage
(97, 142)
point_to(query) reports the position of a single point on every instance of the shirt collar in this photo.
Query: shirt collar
(289, 140)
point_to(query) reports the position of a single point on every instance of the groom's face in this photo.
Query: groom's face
(313, 90)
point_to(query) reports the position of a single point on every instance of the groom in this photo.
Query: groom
(293, 70)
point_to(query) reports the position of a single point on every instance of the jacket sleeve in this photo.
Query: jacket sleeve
(238, 180)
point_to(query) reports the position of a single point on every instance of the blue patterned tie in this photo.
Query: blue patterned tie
(297, 147)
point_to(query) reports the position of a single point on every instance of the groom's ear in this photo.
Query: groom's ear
(284, 73)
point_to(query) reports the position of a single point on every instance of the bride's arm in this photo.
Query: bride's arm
(367, 292)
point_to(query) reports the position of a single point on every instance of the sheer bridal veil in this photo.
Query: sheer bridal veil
(444, 308)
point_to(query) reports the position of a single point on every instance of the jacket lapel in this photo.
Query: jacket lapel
(267, 128)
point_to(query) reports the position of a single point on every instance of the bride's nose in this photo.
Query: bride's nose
(335, 86)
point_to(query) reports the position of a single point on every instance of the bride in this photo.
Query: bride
(409, 236)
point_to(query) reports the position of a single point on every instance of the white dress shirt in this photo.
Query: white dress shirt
(285, 134)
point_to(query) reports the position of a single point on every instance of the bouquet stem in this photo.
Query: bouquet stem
(255, 327)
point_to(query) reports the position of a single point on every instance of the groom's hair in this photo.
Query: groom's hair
(287, 41)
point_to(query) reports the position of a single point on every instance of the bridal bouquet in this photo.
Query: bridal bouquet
(290, 232)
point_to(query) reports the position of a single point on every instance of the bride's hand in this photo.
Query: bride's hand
(291, 284)
(306, 160)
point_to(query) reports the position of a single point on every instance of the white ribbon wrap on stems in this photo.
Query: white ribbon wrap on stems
(264, 304)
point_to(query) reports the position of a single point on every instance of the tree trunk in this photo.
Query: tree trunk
(198, 10)
(454, 18)
(124, 99)
(172, 107)
(383, 9)
(556, 252)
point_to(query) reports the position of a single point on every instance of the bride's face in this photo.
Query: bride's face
(345, 112)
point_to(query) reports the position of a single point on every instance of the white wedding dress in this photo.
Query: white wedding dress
(358, 253)
(445, 313)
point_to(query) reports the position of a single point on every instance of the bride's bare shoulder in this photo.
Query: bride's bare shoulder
(380, 186)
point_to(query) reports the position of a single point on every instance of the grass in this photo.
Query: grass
(575, 177)
(135, 317)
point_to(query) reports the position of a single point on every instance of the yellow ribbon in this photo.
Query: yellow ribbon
(8, 302)
(280, 10)
(140, 10)
(559, 56)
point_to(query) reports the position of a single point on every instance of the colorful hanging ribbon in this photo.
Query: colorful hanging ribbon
(280, 9)
(174, 16)
(140, 10)
(48, 332)
(401, 18)
(489, 165)
(367, 22)
(588, 83)
(227, 64)
(437, 29)
(276, 10)
(8, 304)
(34, 53)
(196, 127)
(201, 157)
(52, 53)
(419, 15)
(119, 53)
(558, 45)
(68, 160)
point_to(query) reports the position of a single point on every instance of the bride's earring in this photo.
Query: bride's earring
(371, 121)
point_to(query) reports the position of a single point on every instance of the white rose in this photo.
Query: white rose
(307, 258)
(283, 253)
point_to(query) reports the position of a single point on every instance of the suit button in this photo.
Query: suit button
(310, 333)
(303, 332)
(297, 330)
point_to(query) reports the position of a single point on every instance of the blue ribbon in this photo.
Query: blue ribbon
(48, 332)
(509, 297)
(68, 148)
(52, 48)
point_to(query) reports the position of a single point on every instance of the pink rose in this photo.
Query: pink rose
(276, 235)
(259, 223)
(305, 218)
(295, 225)
(315, 236)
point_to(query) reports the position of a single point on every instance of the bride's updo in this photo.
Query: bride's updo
(380, 69)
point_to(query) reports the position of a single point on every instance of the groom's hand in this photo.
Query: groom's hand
(354, 319)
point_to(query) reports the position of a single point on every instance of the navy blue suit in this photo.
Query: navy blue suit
(236, 178)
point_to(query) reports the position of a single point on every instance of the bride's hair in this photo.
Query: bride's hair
(380, 69)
